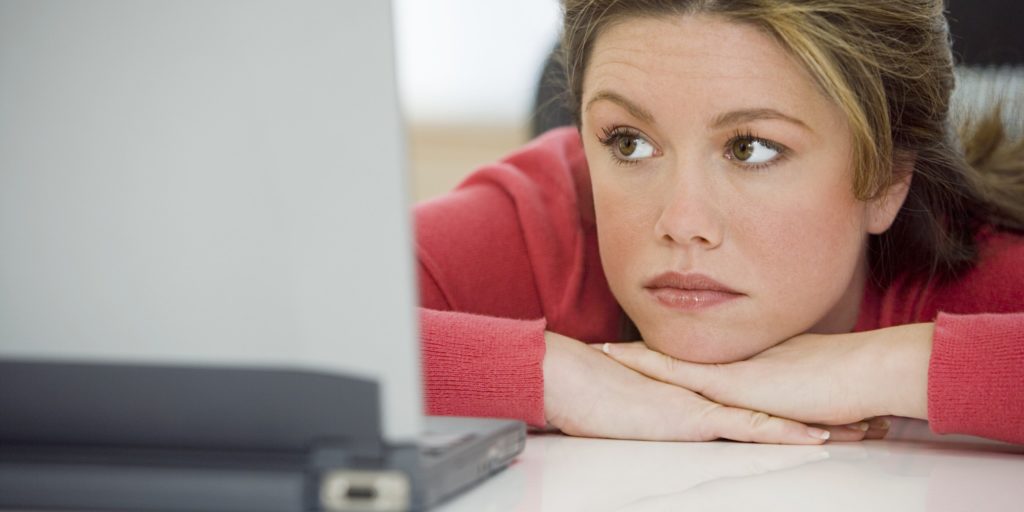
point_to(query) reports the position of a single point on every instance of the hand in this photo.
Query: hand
(831, 379)
(587, 394)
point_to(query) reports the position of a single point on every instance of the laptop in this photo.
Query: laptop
(207, 296)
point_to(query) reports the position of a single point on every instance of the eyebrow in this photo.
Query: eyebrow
(755, 114)
(729, 118)
(634, 110)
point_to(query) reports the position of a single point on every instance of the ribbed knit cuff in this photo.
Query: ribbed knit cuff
(976, 376)
(483, 366)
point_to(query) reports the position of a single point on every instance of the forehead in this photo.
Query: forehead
(690, 63)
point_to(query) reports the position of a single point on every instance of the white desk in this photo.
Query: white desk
(913, 470)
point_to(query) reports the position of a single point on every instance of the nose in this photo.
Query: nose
(690, 215)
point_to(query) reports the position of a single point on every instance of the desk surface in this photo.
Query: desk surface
(912, 470)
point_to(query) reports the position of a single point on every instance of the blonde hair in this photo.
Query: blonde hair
(887, 64)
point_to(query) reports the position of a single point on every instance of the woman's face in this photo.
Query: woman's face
(723, 188)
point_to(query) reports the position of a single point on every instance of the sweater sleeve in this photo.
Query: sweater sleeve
(475, 364)
(483, 366)
(976, 376)
(486, 255)
(481, 327)
(976, 371)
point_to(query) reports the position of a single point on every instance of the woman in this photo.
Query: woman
(767, 194)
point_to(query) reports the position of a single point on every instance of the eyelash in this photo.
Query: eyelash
(610, 136)
(750, 136)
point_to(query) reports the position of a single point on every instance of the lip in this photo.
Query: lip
(689, 292)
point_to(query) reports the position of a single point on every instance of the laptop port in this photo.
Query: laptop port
(349, 490)
(356, 493)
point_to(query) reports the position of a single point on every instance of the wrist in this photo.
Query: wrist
(556, 368)
(903, 378)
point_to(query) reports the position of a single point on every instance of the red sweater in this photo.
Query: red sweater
(512, 252)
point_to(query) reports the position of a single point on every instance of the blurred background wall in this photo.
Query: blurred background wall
(467, 73)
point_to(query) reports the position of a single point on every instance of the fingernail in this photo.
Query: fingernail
(862, 426)
(607, 348)
(818, 433)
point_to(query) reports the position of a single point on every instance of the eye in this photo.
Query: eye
(752, 150)
(634, 148)
(627, 145)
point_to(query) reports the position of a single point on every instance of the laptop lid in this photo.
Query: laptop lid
(207, 183)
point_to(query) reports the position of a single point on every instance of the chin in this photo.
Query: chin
(701, 346)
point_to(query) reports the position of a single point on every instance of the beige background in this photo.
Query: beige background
(441, 155)
(467, 75)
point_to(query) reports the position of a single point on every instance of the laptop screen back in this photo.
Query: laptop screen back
(207, 183)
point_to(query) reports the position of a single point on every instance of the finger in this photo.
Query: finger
(758, 427)
(876, 434)
(846, 433)
(878, 428)
(693, 376)
(880, 423)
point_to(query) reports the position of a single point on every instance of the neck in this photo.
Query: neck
(843, 317)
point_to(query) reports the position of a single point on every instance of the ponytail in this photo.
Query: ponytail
(997, 161)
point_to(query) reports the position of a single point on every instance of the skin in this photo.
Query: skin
(776, 364)
(815, 378)
(788, 233)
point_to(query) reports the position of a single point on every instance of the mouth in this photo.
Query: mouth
(689, 292)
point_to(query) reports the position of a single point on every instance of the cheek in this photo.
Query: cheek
(621, 221)
(806, 250)
(625, 212)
